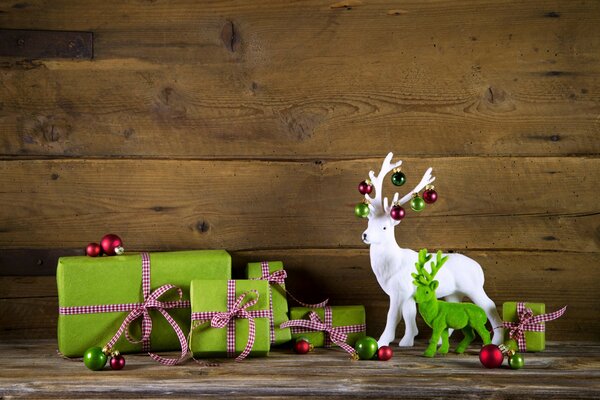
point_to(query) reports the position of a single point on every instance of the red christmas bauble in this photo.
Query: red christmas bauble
(110, 244)
(384, 353)
(117, 362)
(301, 347)
(397, 213)
(365, 187)
(430, 196)
(491, 356)
(93, 250)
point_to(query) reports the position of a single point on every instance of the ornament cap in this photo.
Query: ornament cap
(429, 187)
(119, 250)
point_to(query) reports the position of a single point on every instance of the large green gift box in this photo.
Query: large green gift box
(350, 318)
(107, 282)
(229, 301)
(273, 271)
(536, 341)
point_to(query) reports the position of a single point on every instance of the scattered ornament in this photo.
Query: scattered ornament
(430, 195)
(362, 210)
(384, 353)
(302, 346)
(366, 348)
(398, 177)
(93, 250)
(491, 356)
(397, 212)
(516, 361)
(117, 361)
(417, 203)
(365, 187)
(112, 245)
(94, 358)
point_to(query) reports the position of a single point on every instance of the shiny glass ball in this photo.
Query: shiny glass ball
(366, 347)
(365, 188)
(384, 353)
(302, 346)
(517, 361)
(491, 356)
(430, 196)
(361, 210)
(398, 178)
(94, 358)
(397, 213)
(417, 204)
(93, 250)
(117, 362)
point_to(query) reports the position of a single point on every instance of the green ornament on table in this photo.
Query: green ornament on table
(366, 348)
(362, 210)
(516, 361)
(417, 203)
(94, 358)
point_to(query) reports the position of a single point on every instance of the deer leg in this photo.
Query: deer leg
(435, 336)
(409, 313)
(445, 344)
(469, 336)
(483, 332)
(480, 298)
(393, 318)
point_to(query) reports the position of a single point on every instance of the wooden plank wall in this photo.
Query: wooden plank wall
(247, 126)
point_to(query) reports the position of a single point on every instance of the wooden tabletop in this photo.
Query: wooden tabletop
(564, 370)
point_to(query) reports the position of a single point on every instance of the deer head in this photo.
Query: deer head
(380, 228)
(424, 281)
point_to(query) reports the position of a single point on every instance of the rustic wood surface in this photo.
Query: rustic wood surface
(247, 126)
(564, 371)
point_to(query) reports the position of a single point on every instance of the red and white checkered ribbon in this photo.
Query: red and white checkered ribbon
(141, 310)
(337, 334)
(528, 322)
(236, 308)
(278, 278)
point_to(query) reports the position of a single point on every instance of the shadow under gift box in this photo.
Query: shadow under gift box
(88, 281)
(212, 297)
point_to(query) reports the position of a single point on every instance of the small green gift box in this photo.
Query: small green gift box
(349, 320)
(97, 294)
(512, 314)
(273, 272)
(229, 318)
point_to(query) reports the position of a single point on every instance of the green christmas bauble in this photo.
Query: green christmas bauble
(361, 210)
(511, 344)
(517, 361)
(366, 348)
(398, 178)
(417, 204)
(94, 358)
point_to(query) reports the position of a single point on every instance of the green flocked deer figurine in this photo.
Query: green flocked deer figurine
(441, 315)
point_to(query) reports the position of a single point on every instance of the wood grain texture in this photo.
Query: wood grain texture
(565, 370)
(556, 279)
(304, 80)
(493, 203)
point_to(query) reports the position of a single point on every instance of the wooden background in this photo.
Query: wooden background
(247, 126)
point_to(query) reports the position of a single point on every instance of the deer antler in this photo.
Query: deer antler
(422, 277)
(376, 203)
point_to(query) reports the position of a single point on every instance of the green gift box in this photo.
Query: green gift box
(228, 301)
(273, 272)
(535, 341)
(350, 318)
(90, 288)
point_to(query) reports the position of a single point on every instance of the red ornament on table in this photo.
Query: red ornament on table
(365, 187)
(397, 213)
(430, 195)
(302, 347)
(491, 356)
(93, 250)
(117, 362)
(111, 244)
(384, 353)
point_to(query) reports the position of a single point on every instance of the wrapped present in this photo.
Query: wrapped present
(524, 322)
(273, 272)
(328, 326)
(229, 318)
(100, 298)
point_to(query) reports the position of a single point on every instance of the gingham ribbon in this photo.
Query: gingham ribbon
(278, 278)
(528, 322)
(337, 334)
(137, 310)
(236, 308)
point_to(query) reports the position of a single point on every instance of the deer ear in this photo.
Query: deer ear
(434, 285)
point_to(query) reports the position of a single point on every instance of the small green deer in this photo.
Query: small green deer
(441, 315)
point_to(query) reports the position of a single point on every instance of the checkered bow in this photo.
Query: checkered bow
(526, 321)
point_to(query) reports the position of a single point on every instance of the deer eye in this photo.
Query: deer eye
(384, 228)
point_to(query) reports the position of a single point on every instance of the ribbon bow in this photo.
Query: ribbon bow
(337, 334)
(277, 277)
(528, 322)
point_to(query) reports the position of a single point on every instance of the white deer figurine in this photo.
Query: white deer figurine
(393, 265)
